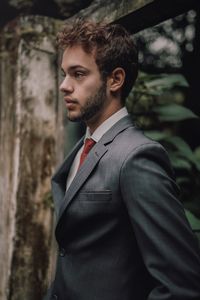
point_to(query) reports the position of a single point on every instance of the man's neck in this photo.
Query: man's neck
(98, 119)
(106, 125)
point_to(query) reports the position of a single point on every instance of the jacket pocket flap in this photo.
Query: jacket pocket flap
(96, 196)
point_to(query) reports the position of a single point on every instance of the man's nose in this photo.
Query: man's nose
(66, 86)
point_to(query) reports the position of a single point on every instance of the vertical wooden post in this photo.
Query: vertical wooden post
(30, 132)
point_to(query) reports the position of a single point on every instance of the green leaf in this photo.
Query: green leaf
(182, 180)
(184, 149)
(194, 221)
(155, 135)
(173, 112)
(167, 82)
(179, 162)
(197, 153)
(181, 145)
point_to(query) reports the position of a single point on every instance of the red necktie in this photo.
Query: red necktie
(89, 143)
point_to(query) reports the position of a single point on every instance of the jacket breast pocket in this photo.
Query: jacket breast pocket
(96, 196)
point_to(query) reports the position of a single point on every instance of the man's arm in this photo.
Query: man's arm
(166, 241)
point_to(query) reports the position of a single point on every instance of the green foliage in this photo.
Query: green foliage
(157, 105)
(19, 4)
(173, 113)
(48, 201)
(194, 223)
(166, 82)
(153, 97)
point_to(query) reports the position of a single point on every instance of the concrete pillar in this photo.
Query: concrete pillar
(31, 132)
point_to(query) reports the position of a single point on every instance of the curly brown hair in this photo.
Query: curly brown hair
(113, 45)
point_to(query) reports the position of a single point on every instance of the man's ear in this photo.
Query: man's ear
(116, 79)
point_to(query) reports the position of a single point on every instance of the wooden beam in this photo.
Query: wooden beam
(156, 12)
(136, 15)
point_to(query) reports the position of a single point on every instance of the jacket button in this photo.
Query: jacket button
(62, 252)
(54, 297)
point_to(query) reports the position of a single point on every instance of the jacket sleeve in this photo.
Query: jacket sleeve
(168, 246)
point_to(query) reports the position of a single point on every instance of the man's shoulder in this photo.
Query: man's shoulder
(126, 133)
(132, 144)
(131, 141)
(134, 137)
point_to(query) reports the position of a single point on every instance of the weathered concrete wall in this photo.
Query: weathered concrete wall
(61, 9)
(30, 131)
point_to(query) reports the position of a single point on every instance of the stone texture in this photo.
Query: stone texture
(30, 131)
(60, 9)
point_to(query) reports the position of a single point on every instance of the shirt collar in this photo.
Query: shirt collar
(106, 125)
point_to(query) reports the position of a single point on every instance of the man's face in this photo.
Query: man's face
(84, 91)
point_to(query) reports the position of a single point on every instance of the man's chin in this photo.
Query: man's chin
(74, 118)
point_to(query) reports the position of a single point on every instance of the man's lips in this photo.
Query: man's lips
(70, 102)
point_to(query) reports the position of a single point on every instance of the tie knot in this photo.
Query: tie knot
(89, 143)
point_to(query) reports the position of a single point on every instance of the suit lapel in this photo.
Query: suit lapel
(89, 164)
(60, 177)
(87, 167)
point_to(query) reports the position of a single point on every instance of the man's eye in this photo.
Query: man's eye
(63, 74)
(78, 75)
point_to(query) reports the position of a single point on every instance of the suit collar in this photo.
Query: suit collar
(116, 129)
(107, 124)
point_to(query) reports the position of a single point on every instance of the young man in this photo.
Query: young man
(121, 231)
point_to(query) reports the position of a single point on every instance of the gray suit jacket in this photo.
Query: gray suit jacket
(121, 231)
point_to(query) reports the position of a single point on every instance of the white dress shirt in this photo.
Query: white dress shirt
(96, 136)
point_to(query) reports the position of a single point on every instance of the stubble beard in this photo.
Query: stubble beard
(92, 107)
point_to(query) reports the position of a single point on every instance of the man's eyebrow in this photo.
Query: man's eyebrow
(71, 68)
